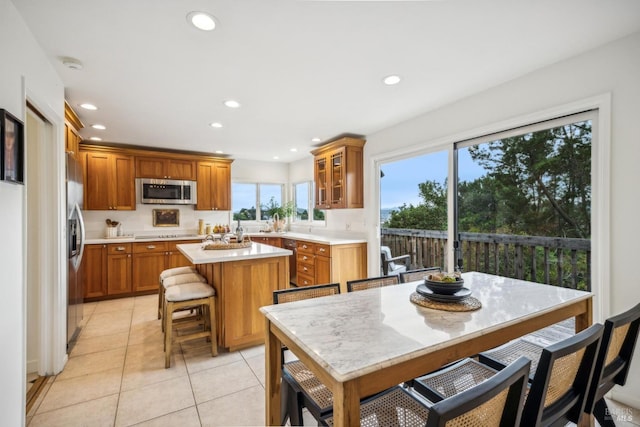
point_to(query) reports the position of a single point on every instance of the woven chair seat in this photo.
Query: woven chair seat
(309, 383)
(497, 401)
(452, 380)
(504, 355)
(393, 408)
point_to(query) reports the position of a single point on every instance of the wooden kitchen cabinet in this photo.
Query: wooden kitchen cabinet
(319, 263)
(268, 240)
(162, 168)
(339, 174)
(94, 271)
(128, 269)
(72, 126)
(149, 260)
(306, 264)
(109, 181)
(214, 185)
(174, 256)
(241, 299)
(119, 264)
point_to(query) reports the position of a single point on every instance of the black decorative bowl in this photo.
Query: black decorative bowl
(444, 288)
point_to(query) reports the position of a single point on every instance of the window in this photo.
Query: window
(270, 198)
(253, 200)
(303, 200)
(521, 203)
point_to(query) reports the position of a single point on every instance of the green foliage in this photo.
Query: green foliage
(535, 184)
(429, 215)
(272, 207)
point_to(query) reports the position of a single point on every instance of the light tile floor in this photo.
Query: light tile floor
(115, 376)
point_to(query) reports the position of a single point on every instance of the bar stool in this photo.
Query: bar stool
(169, 273)
(172, 281)
(200, 296)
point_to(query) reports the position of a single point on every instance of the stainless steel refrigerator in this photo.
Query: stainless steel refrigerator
(75, 248)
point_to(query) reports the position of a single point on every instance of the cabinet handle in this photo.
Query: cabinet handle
(321, 249)
(304, 257)
(151, 247)
(129, 256)
(305, 269)
(306, 282)
(304, 246)
(120, 248)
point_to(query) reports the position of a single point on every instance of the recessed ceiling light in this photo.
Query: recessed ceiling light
(215, 125)
(315, 139)
(97, 126)
(391, 80)
(219, 151)
(275, 157)
(293, 150)
(95, 138)
(201, 20)
(88, 106)
(232, 103)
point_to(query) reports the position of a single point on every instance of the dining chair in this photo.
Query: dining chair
(495, 402)
(304, 389)
(613, 362)
(417, 274)
(372, 282)
(558, 392)
(393, 265)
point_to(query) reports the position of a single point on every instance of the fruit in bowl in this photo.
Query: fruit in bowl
(444, 283)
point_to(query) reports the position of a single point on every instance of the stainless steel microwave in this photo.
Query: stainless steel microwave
(166, 191)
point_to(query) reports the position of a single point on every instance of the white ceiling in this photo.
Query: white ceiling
(300, 69)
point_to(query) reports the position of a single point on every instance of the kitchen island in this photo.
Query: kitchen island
(244, 280)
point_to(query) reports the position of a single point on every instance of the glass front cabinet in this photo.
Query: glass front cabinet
(338, 172)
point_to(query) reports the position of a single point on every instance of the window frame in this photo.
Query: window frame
(600, 184)
(310, 204)
(258, 202)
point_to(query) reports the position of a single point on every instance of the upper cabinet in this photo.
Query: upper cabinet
(72, 126)
(214, 185)
(109, 181)
(110, 172)
(338, 174)
(163, 168)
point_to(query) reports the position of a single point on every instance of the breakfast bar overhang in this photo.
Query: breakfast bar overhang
(244, 280)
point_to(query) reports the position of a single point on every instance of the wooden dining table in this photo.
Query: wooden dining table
(361, 343)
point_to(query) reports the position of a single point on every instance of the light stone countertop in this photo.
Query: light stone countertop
(357, 333)
(315, 238)
(197, 255)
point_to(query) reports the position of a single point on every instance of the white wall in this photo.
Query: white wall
(613, 69)
(22, 61)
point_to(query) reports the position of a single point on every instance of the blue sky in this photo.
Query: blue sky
(401, 178)
(399, 185)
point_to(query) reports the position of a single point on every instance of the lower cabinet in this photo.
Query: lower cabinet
(127, 269)
(118, 269)
(94, 271)
(149, 260)
(318, 263)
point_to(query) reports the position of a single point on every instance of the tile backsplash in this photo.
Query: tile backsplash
(140, 221)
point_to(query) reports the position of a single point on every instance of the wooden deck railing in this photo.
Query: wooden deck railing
(557, 261)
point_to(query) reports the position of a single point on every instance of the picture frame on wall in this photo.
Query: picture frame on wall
(166, 217)
(11, 148)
